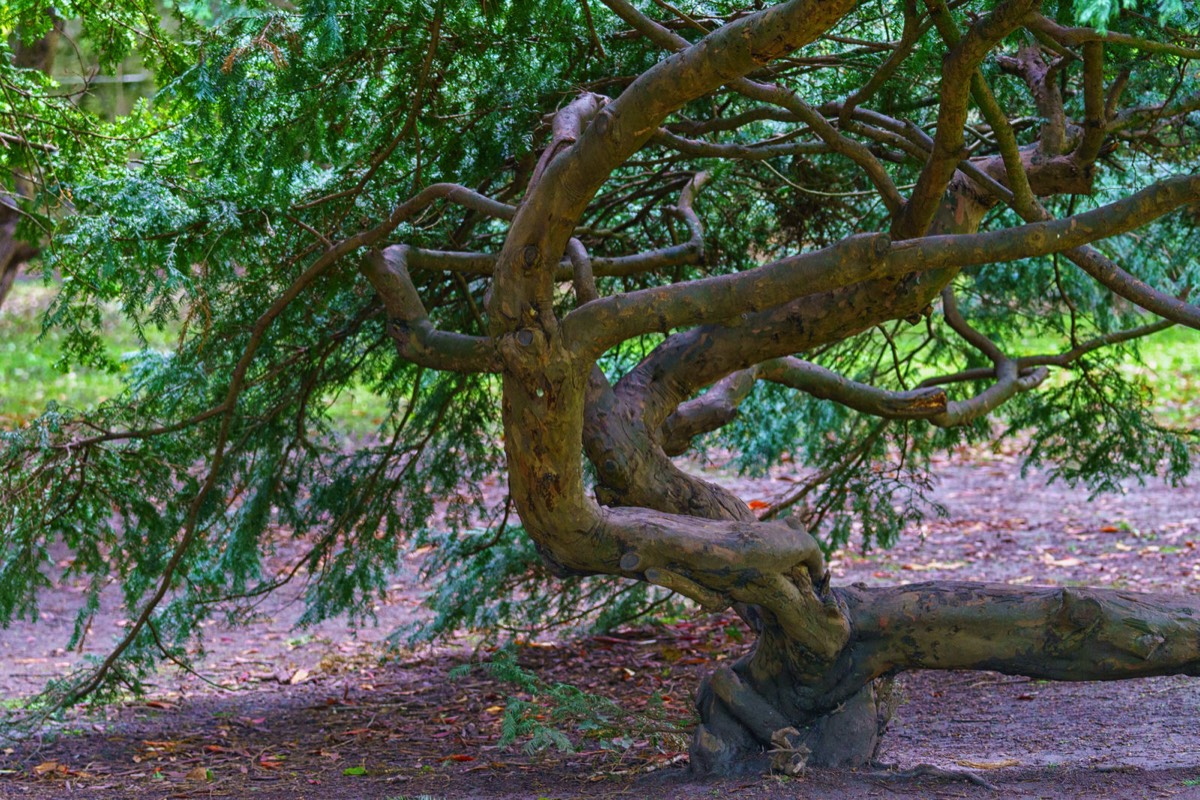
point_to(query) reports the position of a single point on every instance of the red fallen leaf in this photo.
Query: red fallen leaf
(159, 704)
(268, 764)
(357, 732)
(758, 505)
(1109, 529)
(459, 757)
(690, 661)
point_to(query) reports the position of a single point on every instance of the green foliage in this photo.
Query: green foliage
(493, 583)
(544, 714)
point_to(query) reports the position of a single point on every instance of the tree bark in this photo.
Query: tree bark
(13, 251)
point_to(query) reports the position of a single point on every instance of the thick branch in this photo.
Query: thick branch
(1058, 634)
(961, 62)
(826, 384)
(714, 409)
(601, 325)
(554, 204)
(416, 338)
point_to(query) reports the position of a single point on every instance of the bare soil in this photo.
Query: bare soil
(317, 714)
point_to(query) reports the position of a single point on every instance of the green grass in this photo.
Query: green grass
(28, 376)
(1171, 365)
(29, 379)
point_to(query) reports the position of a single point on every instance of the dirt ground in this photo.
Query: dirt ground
(315, 714)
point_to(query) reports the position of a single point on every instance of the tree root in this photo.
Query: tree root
(893, 772)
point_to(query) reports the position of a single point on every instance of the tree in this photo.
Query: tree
(817, 227)
(36, 55)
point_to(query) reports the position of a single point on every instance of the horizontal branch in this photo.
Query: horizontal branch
(813, 379)
(760, 151)
(1056, 634)
(1077, 36)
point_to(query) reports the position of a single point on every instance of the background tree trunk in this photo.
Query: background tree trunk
(38, 55)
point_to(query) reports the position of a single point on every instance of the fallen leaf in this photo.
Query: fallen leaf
(299, 676)
(354, 771)
(46, 766)
(1051, 561)
(459, 757)
(758, 505)
(199, 775)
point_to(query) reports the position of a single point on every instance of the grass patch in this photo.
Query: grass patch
(29, 379)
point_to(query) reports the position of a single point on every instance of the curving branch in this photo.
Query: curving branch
(914, 29)
(460, 195)
(689, 252)
(825, 384)
(1042, 80)
(1081, 36)
(582, 277)
(416, 338)
(714, 409)
(1026, 364)
(958, 69)
(1122, 283)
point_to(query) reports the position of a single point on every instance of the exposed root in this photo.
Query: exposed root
(788, 755)
(892, 771)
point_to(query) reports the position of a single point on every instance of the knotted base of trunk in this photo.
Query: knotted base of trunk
(848, 736)
(782, 708)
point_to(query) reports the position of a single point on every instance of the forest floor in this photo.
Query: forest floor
(297, 715)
